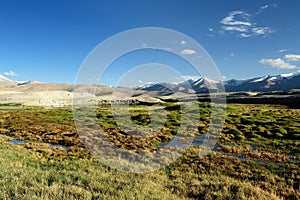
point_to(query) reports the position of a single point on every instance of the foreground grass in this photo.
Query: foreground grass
(35, 171)
(24, 176)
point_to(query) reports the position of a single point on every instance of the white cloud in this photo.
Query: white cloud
(243, 35)
(230, 55)
(264, 7)
(261, 30)
(282, 50)
(188, 77)
(241, 23)
(187, 52)
(183, 42)
(292, 57)
(211, 29)
(235, 28)
(236, 18)
(277, 63)
(10, 73)
(141, 82)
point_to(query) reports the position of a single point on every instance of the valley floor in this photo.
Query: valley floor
(256, 157)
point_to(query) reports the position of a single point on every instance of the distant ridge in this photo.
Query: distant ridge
(281, 89)
(282, 82)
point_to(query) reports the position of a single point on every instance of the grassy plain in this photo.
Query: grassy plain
(257, 156)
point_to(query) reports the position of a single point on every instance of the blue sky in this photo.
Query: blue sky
(47, 40)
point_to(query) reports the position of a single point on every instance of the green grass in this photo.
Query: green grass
(24, 175)
(34, 171)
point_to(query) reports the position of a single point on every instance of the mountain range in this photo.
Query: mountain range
(282, 82)
(281, 89)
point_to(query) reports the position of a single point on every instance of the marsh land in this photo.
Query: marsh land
(257, 156)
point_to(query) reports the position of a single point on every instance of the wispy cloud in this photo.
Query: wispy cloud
(292, 57)
(244, 35)
(261, 30)
(264, 7)
(230, 56)
(241, 23)
(141, 82)
(237, 18)
(282, 50)
(188, 77)
(277, 63)
(211, 31)
(188, 52)
(235, 28)
(10, 73)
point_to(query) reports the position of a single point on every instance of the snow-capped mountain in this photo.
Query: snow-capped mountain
(282, 82)
(190, 86)
(5, 82)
